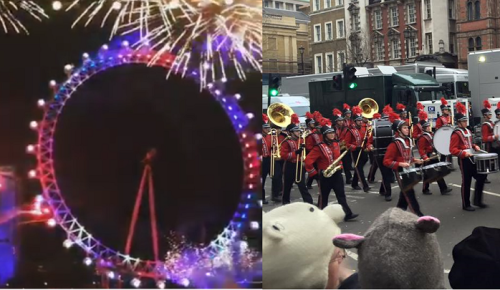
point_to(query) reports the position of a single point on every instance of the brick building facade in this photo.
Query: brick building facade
(395, 28)
(478, 24)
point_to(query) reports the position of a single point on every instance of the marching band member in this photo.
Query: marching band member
(461, 146)
(417, 129)
(387, 175)
(497, 113)
(373, 165)
(292, 148)
(347, 116)
(277, 179)
(313, 139)
(487, 135)
(356, 142)
(399, 156)
(426, 148)
(266, 155)
(342, 129)
(443, 120)
(401, 110)
(324, 155)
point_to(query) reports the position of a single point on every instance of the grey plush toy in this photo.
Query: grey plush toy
(399, 250)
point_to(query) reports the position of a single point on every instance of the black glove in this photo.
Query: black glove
(302, 146)
(298, 151)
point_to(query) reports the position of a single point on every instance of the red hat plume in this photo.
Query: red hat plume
(328, 122)
(420, 107)
(337, 112)
(393, 117)
(377, 116)
(400, 107)
(265, 118)
(295, 119)
(444, 102)
(346, 107)
(322, 122)
(356, 110)
(422, 115)
(317, 116)
(498, 105)
(387, 110)
(461, 108)
(486, 104)
(309, 115)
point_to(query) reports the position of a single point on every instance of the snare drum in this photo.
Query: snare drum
(410, 177)
(486, 163)
(442, 139)
(436, 171)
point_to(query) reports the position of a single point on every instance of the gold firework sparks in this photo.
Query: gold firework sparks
(9, 11)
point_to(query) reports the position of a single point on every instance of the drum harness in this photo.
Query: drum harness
(467, 141)
(401, 150)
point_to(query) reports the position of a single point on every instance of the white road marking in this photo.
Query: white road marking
(484, 191)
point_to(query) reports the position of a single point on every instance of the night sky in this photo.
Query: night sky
(104, 132)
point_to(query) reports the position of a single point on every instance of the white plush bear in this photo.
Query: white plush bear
(297, 245)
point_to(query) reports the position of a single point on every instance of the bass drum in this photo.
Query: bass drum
(382, 136)
(442, 139)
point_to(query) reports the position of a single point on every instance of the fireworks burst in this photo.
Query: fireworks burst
(213, 35)
(9, 19)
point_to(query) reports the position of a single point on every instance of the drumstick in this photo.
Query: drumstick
(431, 158)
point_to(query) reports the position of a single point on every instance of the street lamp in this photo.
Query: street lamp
(407, 34)
(301, 49)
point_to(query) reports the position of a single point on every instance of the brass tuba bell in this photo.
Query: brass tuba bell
(369, 107)
(280, 114)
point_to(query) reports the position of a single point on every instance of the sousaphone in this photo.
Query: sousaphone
(369, 107)
(280, 114)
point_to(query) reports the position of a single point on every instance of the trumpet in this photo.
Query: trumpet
(300, 160)
(334, 167)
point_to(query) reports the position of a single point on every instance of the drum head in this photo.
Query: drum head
(485, 155)
(442, 139)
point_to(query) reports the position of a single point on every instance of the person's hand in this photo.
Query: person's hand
(302, 146)
(419, 161)
(298, 151)
(496, 137)
(404, 164)
(467, 154)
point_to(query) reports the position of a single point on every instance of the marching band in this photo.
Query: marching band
(390, 141)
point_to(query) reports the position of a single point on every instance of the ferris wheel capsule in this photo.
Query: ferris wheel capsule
(34, 125)
(32, 173)
(41, 103)
(160, 284)
(30, 149)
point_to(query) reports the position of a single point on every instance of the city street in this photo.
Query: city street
(456, 224)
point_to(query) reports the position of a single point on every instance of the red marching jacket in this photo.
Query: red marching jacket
(349, 123)
(354, 138)
(288, 149)
(266, 146)
(443, 120)
(425, 146)
(323, 155)
(341, 132)
(461, 139)
(312, 140)
(417, 131)
(397, 152)
(487, 132)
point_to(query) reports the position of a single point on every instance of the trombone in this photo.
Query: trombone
(369, 107)
(299, 169)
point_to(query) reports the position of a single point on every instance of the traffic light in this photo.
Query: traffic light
(274, 86)
(337, 82)
(350, 77)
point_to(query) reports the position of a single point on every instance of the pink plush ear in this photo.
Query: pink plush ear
(348, 241)
(428, 224)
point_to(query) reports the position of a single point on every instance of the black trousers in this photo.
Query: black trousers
(277, 179)
(289, 180)
(373, 168)
(359, 174)
(387, 177)
(265, 170)
(335, 183)
(408, 198)
(441, 183)
(315, 177)
(446, 158)
(468, 170)
(347, 164)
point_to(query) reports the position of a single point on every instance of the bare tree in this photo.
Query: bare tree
(358, 49)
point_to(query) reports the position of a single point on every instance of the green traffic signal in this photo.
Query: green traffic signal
(353, 85)
(273, 92)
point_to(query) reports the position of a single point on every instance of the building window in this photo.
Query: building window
(394, 16)
(340, 60)
(412, 46)
(378, 19)
(328, 3)
(470, 13)
(339, 2)
(379, 50)
(477, 10)
(452, 43)
(316, 5)
(471, 44)
(318, 63)
(329, 62)
(278, 5)
(428, 14)
(428, 41)
(479, 43)
(395, 48)
(272, 43)
(340, 28)
(317, 33)
(297, 7)
(412, 14)
(289, 6)
(451, 9)
(328, 31)
(267, 4)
